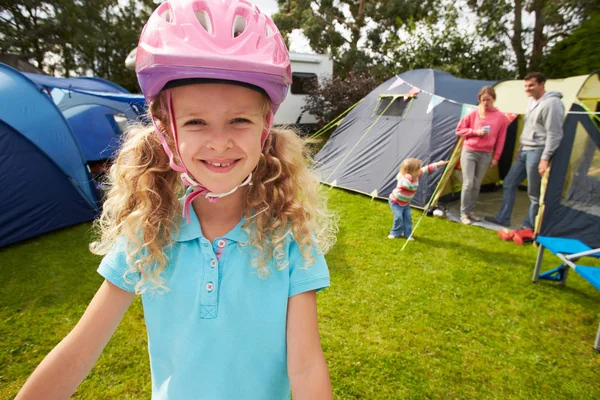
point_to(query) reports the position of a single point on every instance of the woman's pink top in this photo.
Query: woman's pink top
(493, 142)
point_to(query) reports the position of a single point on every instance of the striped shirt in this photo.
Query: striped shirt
(407, 186)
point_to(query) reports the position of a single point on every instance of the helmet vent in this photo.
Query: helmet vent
(204, 20)
(239, 25)
(268, 30)
(166, 13)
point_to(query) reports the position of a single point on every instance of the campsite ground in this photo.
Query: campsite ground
(454, 315)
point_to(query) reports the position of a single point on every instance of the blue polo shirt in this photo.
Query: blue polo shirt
(220, 330)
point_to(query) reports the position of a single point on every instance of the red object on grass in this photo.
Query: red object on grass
(506, 234)
(523, 235)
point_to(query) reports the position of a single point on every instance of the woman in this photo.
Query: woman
(484, 130)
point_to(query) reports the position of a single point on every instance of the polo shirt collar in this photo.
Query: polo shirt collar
(237, 234)
(189, 231)
(193, 231)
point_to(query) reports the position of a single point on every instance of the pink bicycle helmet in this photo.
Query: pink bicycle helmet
(227, 40)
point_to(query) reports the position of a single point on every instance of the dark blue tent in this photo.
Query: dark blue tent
(43, 176)
(572, 200)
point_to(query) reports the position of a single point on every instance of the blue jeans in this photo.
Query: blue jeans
(525, 166)
(402, 219)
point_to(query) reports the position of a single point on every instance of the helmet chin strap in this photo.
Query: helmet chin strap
(247, 181)
(201, 190)
(189, 181)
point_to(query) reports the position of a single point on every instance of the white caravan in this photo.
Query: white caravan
(305, 68)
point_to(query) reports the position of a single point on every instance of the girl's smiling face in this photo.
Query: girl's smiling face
(219, 128)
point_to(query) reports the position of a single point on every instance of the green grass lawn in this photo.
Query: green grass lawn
(454, 315)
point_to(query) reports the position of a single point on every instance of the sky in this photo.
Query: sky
(268, 7)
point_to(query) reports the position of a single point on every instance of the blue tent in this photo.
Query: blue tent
(95, 110)
(82, 83)
(98, 140)
(98, 119)
(43, 175)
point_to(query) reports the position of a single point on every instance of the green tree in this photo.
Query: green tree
(130, 21)
(502, 20)
(85, 36)
(577, 54)
(338, 27)
(85, 46)
(334, 95)
(27, 28)
(384, 37)
(440, 43)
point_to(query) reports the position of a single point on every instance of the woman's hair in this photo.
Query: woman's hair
(410, 166)
(484, 90)
(142, 206)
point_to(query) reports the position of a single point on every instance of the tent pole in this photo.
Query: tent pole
(445, 176)
(448, 171)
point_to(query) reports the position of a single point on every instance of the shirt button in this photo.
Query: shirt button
(213, 263)
(210, 287)
(205, 244)
(221, 243)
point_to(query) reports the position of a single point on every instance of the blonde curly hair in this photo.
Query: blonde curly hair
(142, 205)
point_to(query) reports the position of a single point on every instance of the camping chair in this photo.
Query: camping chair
(569, 251)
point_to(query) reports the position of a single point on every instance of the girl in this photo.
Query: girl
(408, 183)
(484, 130)
(228, 290)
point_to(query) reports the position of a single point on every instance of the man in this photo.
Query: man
(541, 136)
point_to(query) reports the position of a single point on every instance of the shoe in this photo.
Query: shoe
(410, 239)
(465, 220)
(493, 220)
(506, 234)
(474, 217)
(392, 237)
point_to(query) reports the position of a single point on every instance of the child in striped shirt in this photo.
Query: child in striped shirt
(408, 182)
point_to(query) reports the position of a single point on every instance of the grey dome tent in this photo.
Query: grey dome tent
(365, 151)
